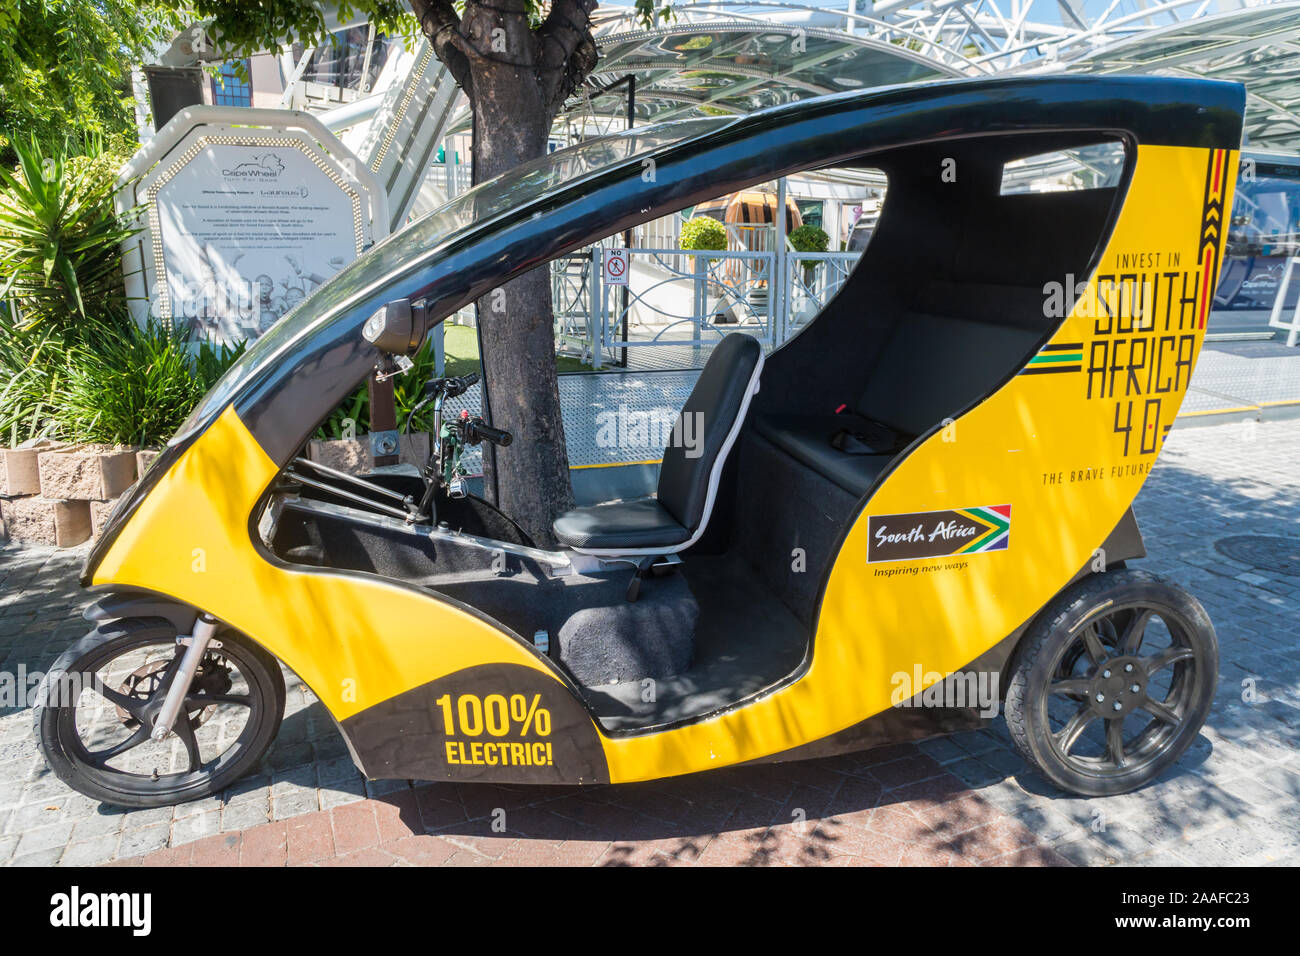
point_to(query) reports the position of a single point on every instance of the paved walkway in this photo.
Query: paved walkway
(1261, 378)
(960, 800)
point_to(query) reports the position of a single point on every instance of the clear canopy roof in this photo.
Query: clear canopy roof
(1258, 46)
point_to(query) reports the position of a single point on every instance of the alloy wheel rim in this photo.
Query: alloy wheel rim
(1107, 672)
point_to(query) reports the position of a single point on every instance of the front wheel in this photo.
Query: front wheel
(1112, 683)
(95, 711)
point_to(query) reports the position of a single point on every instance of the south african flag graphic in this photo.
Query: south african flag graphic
(937, 534)
(998, 520)
(1053, 359)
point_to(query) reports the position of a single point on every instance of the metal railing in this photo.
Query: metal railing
(812, 279)
(688, 299)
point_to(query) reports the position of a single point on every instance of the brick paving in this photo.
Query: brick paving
(961, 800)
(827, 812)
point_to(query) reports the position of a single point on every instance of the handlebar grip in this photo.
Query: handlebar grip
(451, 387)
(496, 436)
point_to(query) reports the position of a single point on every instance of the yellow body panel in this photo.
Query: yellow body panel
(355, 639)
(1040, 444)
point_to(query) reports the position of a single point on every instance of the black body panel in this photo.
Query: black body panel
(404, 737)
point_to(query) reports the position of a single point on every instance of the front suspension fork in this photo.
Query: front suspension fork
(205, 628)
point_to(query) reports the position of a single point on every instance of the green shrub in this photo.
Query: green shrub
(65, 64)
(703, 232)
(32, 367)
(809, 238)
(73, 365)
(60, 241)
(136, 386)
(212, 360)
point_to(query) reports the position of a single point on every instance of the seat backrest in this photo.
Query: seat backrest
(933, 366)
(706, 429)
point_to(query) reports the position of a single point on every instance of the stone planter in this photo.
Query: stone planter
(38, 520)
(144, 458)
(352, 455)
(99, 512)
(86, 472)
(19, 474)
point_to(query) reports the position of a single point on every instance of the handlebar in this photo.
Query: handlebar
(451, 387)
(485, 432)
(471, 430)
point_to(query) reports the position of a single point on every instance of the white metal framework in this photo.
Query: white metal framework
(722, 57)
(728, 56)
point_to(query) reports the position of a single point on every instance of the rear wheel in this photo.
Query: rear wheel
(1113, 683)
(97, 704)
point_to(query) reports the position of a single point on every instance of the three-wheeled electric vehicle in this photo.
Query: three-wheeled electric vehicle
(912, 514)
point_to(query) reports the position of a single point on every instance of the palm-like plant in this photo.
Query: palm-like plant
(31, 372)
(60, 240)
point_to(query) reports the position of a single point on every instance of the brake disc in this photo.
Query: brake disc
(212, 677)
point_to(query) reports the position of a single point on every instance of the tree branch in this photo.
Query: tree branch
(441, 26)
(568, 52)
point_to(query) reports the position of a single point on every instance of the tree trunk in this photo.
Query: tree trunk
(516, 324)
(516, 78)
(532, 475)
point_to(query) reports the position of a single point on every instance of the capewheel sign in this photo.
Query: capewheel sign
(247, 232)
(242, 223)
(616, 266)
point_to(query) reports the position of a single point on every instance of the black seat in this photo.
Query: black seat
(619, 525)
(688, 477)
(807, 438)
(931, 367)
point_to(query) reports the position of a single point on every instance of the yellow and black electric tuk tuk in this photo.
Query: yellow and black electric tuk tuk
(912, 514)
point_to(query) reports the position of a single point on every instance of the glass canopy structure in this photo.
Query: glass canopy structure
(719, 57)
(1258, 46)
(723, 57)
(724, 65)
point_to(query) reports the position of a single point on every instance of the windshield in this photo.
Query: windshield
(422, 239)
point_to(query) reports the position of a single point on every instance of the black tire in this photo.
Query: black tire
(1087, 664)
(69, 688)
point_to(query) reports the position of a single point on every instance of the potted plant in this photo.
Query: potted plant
(704, 233)
(808, 238)
(61, 277)
(124, 396)
(29, 379)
